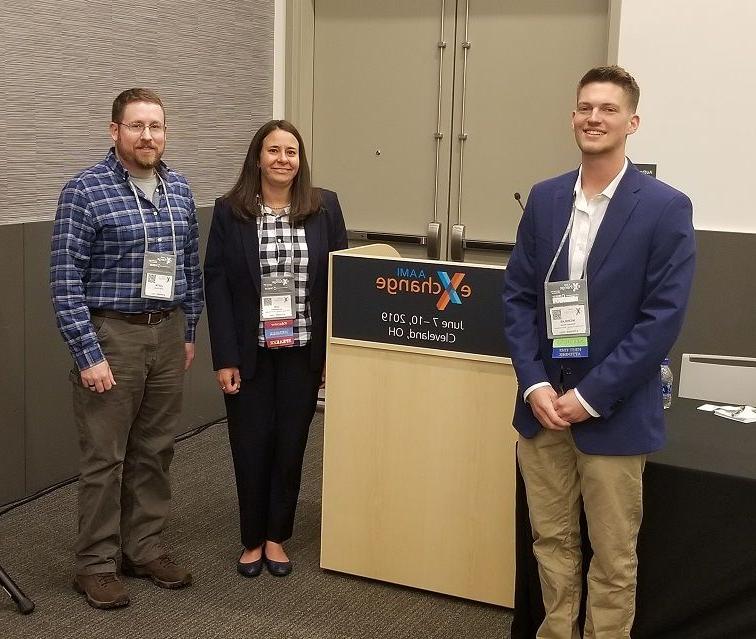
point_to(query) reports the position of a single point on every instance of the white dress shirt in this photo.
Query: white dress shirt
(588, 213)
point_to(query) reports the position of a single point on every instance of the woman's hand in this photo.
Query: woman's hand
(229, 380)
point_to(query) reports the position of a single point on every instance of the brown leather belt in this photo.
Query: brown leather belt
(155, 317)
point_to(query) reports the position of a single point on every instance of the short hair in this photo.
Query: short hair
(616, 75)
(245, 196)
(134, 95)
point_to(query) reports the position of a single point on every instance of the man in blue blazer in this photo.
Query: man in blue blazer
(589, 409)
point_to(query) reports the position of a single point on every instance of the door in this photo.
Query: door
(381, 117)
(513, 101)
(428, 115)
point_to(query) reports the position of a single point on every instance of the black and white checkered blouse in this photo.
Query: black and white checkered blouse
(283, 249)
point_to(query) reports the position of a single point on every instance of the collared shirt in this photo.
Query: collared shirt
(98, 247)
(588, 215)
(283, 249)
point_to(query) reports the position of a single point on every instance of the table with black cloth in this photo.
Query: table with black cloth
(697, 543)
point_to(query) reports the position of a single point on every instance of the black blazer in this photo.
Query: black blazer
(232, 282)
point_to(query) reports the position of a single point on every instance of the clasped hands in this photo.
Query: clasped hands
(554, 411)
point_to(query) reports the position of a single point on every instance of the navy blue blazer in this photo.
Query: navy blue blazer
(639, 272)
(232, 282)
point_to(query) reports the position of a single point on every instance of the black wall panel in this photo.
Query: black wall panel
(203, 402)
(12, 438)
(37, 437)
(51, 441)
(38, 441)
(722, 313)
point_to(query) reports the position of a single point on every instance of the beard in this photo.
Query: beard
(143, 155)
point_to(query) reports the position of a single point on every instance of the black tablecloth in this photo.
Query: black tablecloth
(697, 544)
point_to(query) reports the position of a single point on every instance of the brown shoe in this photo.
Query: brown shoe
(103, 590)
(163, 572)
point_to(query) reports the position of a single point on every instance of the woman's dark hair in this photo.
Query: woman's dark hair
(246, 195)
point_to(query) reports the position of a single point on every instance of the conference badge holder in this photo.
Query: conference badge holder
(567, 318)
(277, 310)
(158, 276)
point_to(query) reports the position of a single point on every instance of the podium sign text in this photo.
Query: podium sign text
(437, 305)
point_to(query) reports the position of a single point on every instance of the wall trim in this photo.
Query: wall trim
(300, 48)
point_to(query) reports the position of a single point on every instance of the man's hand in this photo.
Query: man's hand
(189, 351)
(229, 380)
(569, 408)
(542, 402)
(98, 378)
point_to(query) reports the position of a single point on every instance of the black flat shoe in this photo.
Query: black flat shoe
(278, 568)
(251, 569)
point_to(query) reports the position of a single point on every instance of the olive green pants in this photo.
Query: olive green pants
(126, 437)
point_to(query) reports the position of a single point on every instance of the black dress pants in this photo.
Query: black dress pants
(268, 424)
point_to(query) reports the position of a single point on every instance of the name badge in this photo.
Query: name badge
(158, 276)
(277, 310)
(567, 309)
(277, 297)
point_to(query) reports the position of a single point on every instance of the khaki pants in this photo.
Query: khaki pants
(556, 476)
(126, 439)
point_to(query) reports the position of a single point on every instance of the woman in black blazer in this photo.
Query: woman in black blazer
(266, 285)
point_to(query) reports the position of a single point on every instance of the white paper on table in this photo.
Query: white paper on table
(743, 414)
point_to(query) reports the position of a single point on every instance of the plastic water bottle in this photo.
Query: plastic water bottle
(666, 383)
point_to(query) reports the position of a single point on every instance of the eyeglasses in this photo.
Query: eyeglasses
(136, 128)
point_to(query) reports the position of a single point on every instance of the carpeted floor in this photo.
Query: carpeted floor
(36, 543)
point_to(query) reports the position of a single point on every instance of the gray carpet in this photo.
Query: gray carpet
(36, 542)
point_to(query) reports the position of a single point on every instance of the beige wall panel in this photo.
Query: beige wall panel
(376, 72)
(64, 61)
(524, 62)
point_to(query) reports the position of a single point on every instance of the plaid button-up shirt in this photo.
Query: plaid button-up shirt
(98, 247)
(283, 249)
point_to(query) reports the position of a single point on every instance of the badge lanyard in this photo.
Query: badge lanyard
(566, 305)
(158, 269)
(277, 298)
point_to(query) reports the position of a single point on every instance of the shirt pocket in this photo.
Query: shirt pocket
(121, 231)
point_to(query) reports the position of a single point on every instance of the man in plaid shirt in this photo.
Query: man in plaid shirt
(127, 290)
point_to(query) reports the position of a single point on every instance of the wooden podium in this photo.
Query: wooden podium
(419, 451)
